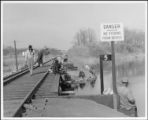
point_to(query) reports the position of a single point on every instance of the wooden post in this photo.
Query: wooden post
(101, 75)
(16, 63)
(115, 97)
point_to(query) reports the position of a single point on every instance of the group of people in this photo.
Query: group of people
(127, 100)
(30, 59)
(58, 64)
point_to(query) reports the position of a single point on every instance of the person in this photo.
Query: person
(87, 67)
(65, 58)
(81, 74)
(56, 65)
(30, 53)
(92, 75)
(40, 56)
(127, 101)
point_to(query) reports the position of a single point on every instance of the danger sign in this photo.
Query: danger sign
(112, 32)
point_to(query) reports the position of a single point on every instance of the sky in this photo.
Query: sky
(54, 24)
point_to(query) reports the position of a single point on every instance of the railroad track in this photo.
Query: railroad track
(45, 88)
(14, 94)
(16, 75)
(9, 76)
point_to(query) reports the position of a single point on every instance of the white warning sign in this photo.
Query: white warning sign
(112, 32)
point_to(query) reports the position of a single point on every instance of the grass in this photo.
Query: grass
(9, 64)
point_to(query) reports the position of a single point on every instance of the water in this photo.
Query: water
(132, 68)
(134, 71)
(89, 90)
(138, 89)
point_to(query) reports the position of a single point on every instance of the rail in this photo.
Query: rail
(12, 77)
(29, 96)
(7, 77)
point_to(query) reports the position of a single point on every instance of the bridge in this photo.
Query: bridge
(37, 96)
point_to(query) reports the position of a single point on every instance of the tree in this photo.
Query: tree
(84, 37)
(134, 41)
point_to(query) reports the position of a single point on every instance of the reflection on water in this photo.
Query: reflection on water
(129, 69)
(133, 68)
(89, 90)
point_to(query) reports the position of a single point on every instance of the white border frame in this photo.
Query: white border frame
(74, 2)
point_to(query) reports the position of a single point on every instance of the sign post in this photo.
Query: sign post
(109, 33)
(16, 63)
(101, 75)
(115, 101)
(106, 57)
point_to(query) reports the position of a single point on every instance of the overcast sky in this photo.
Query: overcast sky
(55, 25)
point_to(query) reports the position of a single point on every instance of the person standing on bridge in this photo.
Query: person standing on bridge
(41, 54)
(40, 57)
(30, 53)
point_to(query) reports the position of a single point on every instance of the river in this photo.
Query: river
(134, 71)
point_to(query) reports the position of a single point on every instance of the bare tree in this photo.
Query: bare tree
(84, 37)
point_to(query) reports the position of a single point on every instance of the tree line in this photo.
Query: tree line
(9, 50)
(134, 41)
